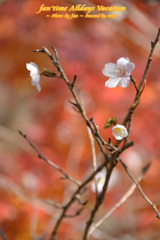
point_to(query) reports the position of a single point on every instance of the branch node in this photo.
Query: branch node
(40, 156)
(145, 169)
(74, 81)
(74, 104)
(55, 52)
(152, 44)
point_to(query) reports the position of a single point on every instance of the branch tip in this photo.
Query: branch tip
(74, 104)
(22, 134)
(74, 81)
(145, 169)
(91, 119)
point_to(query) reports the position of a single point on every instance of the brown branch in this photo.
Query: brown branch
(118, 204)
(74, 81)
(73, 198)
(139, 188)
(124, 147)
(57, 205)
(77, 197)
(92, 143)
(100, 142)
(135, 84)
(153, 45)
(56, 62)
(139, 89)
(99, 201)
(47, 73)
(48, 161)
(77, 213)
(77, 104)
(94, 130)
(97, 134)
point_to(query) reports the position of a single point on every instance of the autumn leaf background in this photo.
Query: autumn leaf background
(51, 123)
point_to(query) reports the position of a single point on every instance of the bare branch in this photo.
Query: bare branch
(77, 213)
(74, 81)
(57, 205)
(56, 53)
(139, 188)
(99, 201)
(110, 159)
(128, 118)
(77, 197)
(48, 73)
(135, 84)
(55, 61)
(45, 50)
(120, 202)
(48, 161)
(153, 45)
(73, 198)
(94, 159)
(97, 134)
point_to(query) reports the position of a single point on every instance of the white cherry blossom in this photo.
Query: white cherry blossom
(100, 179)
(119, 132)
(119, 73)
(34, 73)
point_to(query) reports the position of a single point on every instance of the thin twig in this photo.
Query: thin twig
(77, 104)
(48, 161)
(56, 62)
(50, 74)
(135, 84)
(99, 201)
(97, 134)
(77, 197)
(94, 160)
(153, 45)
(118, 204)
(73, 198)
(74, 81)
(77, 213)
(108, 159)
(139, 89)
(139, 188)
(57, 205)
(112, 160)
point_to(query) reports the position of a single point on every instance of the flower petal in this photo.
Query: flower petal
(32, 67)
(35, 77)
(112, 82)
(121, 62)
(109, 70)
(100, 179)
(38, 87)
(124, 82)
(129, 67)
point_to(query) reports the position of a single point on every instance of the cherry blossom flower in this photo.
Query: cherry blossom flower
(119, 73)
(119, 132)
(34, 73)
(100, 178)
